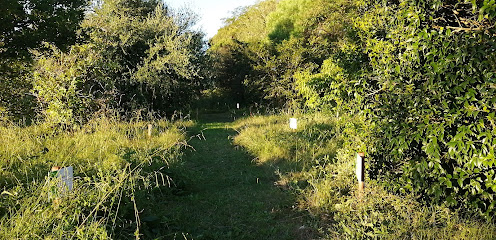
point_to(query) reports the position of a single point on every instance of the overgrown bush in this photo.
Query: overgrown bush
(132, 55)
(433, 99)
(25, 25)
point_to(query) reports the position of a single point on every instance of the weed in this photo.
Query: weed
(117, 166)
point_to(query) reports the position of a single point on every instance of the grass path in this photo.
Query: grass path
(226, 195)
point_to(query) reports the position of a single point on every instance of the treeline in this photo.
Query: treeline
(65, 62)
(419, 75)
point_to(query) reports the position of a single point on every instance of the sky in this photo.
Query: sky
(211, 12)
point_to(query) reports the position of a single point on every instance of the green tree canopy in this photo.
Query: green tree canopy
(138, 55)
(24, 25)
(264, 46)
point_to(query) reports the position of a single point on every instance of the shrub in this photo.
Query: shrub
(432, 97)
(132, 55)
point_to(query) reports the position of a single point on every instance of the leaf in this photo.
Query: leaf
(448, 183)
(346, 229)
(7, 193)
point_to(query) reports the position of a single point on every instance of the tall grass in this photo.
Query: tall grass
(317, 161)
(117, 168)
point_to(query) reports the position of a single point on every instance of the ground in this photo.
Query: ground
(225, 195)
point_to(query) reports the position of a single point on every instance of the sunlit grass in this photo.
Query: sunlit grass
(113, 162)
(121, 173)
(317, 163)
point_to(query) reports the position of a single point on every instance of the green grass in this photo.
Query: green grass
(117, 168)
(129, 185)
(251, 179)
(316, 163)
(226, 194)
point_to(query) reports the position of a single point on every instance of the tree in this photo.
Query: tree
(270, 43)
(138, 55)
(24, 25)
(237, 48)
(27, 23)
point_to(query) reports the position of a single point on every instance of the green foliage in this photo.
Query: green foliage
(433, 99)
(283, 22)
(215, 100)
(323, 89)
(422, 72)
(15, 84)
(138, 55)
(60, 83)
(288, 37)
(324, 181)
(238, 48)
(117, 170)
(24, 25)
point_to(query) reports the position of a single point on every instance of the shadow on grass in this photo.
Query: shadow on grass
(227, 195)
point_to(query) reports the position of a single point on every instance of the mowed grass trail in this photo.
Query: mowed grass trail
(226, 195)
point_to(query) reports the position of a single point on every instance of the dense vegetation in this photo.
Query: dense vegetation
(315, 162)
(126, 56)
(435, 102)
(71, 73)
(412, 83)
(118, 172)
(417, 75)
(24, 26)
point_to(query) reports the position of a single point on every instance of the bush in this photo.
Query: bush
(133, 55)
(432, 97)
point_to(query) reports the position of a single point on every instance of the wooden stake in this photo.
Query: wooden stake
(293, 123)
(55, 168)
(149, 130)
(361, 186)
(360, 170)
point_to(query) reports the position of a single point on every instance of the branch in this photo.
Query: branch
(464, 29)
